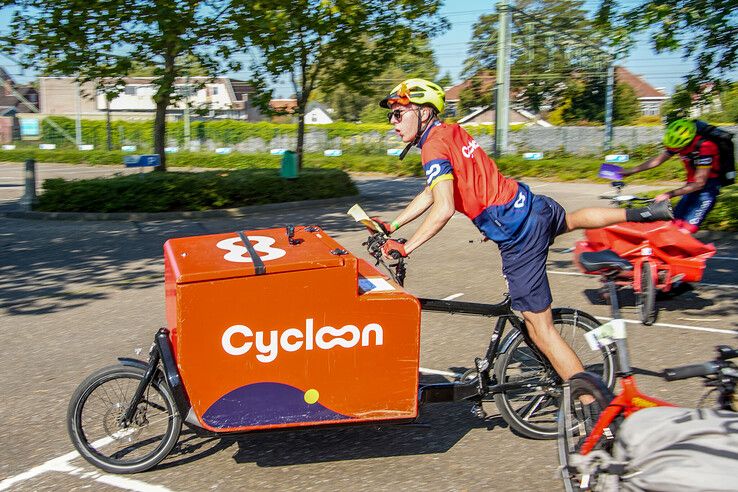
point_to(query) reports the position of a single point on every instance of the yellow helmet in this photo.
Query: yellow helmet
(680, 133)
(416, 91)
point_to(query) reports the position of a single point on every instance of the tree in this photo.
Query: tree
(586, 102)
(706, 31)
(103, 41)
(729, 101)
(330, 42)
(349, 104)
(474, 96)
(551, 40)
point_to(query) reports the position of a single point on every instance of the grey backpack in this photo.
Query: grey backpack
(678, 449)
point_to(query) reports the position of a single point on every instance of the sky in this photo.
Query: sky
(660, 70)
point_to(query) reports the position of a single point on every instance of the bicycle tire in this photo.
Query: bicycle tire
(646, 298)
(117, 385)
(573, 427)
(532, 412)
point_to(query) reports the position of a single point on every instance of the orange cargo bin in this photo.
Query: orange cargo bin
(288, 333)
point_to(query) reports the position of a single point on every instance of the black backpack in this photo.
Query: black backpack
(724, 141)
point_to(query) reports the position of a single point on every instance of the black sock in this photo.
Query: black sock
(637, 214)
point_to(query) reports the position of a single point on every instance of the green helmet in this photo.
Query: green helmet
(680, 133)
(417, 91)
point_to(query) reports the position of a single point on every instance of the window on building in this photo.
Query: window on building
(130, 90)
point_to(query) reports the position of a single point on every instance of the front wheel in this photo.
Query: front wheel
(95, 414)
(575, 422)
(646, 298)
(531, 405)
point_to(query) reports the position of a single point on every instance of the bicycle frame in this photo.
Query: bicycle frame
(630, 399)
(627, 402)
(483, 385)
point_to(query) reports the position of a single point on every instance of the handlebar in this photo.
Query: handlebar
(691, 371)
(374, 246)
(725, 353)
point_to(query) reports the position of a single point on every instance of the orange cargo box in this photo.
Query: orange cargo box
(279, 333)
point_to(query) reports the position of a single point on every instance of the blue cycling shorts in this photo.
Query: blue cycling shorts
(694, 207)
(524, 256)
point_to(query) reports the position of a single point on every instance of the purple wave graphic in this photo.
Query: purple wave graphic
(266, 404)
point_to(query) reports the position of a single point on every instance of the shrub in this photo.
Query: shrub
(173, 191)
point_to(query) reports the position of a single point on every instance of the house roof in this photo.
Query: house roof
(286, 105)
(642, 88)
(487, 81)
(9, 99)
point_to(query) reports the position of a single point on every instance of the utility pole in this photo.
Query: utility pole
(502, 78)
(609, 95)
(187, 116)
(78, 122)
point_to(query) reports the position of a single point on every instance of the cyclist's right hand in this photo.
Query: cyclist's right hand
(386, 226)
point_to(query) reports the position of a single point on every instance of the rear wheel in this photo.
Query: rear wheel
(94, 421)
(531, 406)
(575, 422)
(646, 298)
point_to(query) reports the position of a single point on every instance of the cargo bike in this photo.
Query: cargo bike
(662, 255)
(283, 328)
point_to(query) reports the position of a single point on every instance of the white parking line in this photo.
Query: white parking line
(670, 325)
(724, 258)
(579, 274)
(62, 465)
(452, 296)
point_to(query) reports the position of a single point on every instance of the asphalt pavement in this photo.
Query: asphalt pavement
(77, 294)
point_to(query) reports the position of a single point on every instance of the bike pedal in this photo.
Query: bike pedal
(478, 411)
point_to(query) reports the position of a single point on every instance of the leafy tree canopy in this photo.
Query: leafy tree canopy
(551, 39)
(102, 41)
(705, 31)
(334, 42)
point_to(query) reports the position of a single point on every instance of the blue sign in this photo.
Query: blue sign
(617, 158)
(29, 127)
(533, 156)
(141, 160)
(394, 152)
(332, 152)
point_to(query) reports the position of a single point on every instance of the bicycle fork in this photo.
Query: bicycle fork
(148, 377)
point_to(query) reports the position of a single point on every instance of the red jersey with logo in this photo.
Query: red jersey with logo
(497, 205)
(700, 154)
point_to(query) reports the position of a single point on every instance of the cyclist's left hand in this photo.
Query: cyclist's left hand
(391, 246)
(662, 196)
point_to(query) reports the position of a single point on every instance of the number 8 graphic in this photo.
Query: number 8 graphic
(238, 253)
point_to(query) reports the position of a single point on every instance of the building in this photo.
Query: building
(14, 99)
(218, 97)
(649, 97)
(315, 113)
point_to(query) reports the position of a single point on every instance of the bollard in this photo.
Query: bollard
(29, 195)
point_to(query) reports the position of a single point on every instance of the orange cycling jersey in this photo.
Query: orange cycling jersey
(497, 205)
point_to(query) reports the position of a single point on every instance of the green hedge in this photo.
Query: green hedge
(173, 191)
(226, 132)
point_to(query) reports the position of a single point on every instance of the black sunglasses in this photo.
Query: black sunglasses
(397, 114)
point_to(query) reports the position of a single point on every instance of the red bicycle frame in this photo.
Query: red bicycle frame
(628, 401)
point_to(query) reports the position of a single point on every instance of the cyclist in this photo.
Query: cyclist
(460, 176)
(701, 159)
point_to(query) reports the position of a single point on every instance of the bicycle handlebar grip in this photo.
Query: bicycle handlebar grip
(690, 371)
(395, 254)
(727, 352)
